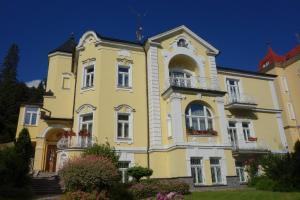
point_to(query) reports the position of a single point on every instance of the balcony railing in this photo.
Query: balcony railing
(194, 82)
(76, 142)
(241, 101)
(253, 146)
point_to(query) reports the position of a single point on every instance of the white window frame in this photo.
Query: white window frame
(291, 111)
(88, 140)
(130, 77)
(233, 130)
(214, 167)
(83, 80)
(247, 132)
(206, 117)
(237, 85)
(123, 171)
(284, 84)
(123, 125)
(128, 140)
(185, 81)
(198, 182)
(31, 113)
(240, 172)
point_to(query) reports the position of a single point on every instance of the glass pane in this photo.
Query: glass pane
(123, 69)
(126, 80)
(27, 118)
(199, 174)
(90, 128)
(214, 161)
(33, 118)
(197, 109)
(119, 129)
(213, 175)
(87, 118)
(194, 174)
(84, 127)
(210, 125)
(90, 69)
(92, 79)
(195, 161)
(126, 130)
(219, 177)
(87, 81)
(202, 124)
(123, 117)
(195, 123)
(123, 164)
(31, 109)
(120, 79)
(245, 125)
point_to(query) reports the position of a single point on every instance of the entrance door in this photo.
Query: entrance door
(51, 158)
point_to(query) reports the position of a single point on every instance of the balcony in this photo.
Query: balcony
(80, 142)
(253, 146)
(194, 82)
(241, 101)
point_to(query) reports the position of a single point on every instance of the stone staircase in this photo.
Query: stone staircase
(46, 184)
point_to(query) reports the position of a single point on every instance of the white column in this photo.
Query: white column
(153, 97)
(222, 120)
(176, 116)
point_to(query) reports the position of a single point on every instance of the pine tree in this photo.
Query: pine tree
(8, 94)
(23, 145)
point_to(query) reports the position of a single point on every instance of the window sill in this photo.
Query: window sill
(85, 89)
(124, 140)
(30, 125)
(124, 88)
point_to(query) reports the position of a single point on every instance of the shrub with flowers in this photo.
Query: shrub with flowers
(89, 173)
(149, 188)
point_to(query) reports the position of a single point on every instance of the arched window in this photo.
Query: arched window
(198, 117)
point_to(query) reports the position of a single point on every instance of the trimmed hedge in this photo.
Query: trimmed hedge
(150, 188)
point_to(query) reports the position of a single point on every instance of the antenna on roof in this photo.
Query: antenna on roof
(139, 29)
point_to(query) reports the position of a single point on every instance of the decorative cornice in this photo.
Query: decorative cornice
(85, 106)
(118, 108)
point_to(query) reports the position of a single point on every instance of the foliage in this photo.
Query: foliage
(12, 94)
(245, 194)
(252, 166)
(138, 172)
(89, 173)
(7, 192)
(281, 171)
(149, 188)
(13, 172)
(24, 147)
(80, 195)
(104, 150)
(169, 196)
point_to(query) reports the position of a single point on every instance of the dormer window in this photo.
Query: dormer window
(182, 43)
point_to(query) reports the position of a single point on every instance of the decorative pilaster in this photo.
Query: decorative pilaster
(222, 120)
(153, 97)
(176, 116)
(213, 72)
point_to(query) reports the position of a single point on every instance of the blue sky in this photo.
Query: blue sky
(239, 29)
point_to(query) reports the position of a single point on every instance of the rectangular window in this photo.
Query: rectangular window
(123, 126)
(88, 80)
(215, 168)
(233, 90)
(86, 127)
(246, 131)
(240, 171)
(196, 170)
(66, 82)
(31, 116)
(233, 134)
(123, 76)
(123, 167)
(284, 84)
(291, 111)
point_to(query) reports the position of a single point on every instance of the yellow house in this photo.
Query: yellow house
(287, 69)
(163, 104)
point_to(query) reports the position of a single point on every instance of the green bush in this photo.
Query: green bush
(89, 173)
(24, 147)
(8, 192)
(149, 188)
(104, 150)
(138, 172)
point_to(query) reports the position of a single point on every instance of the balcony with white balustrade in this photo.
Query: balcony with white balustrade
(240, 101)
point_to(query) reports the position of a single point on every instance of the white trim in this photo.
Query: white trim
(284, 84)
(57, 53)
(241, 74)
(88, 106)
(85, 36)
(222, 120)
(278, 116)
(46, 130)
(291, 111)
(129, 111)
(84, 66)
(130, 74)
(38, 115)
(187, 30)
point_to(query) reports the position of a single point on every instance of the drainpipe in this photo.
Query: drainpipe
(75, 70)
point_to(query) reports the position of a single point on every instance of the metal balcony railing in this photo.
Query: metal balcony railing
(195, 82)
(76, 142)
(241, 98)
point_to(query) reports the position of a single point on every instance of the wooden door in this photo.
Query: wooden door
(51, 158)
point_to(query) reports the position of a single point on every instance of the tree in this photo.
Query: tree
(138, 172)
(23, 146)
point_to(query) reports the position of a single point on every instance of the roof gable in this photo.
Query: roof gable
(179, 29)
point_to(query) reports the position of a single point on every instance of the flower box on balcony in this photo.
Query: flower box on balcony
(252, 139)
(202, 132)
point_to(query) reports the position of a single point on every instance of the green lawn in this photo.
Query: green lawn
(243, 195)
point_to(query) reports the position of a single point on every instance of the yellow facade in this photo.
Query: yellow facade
(163, 104)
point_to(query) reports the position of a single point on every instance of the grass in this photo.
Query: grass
(246, 194)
